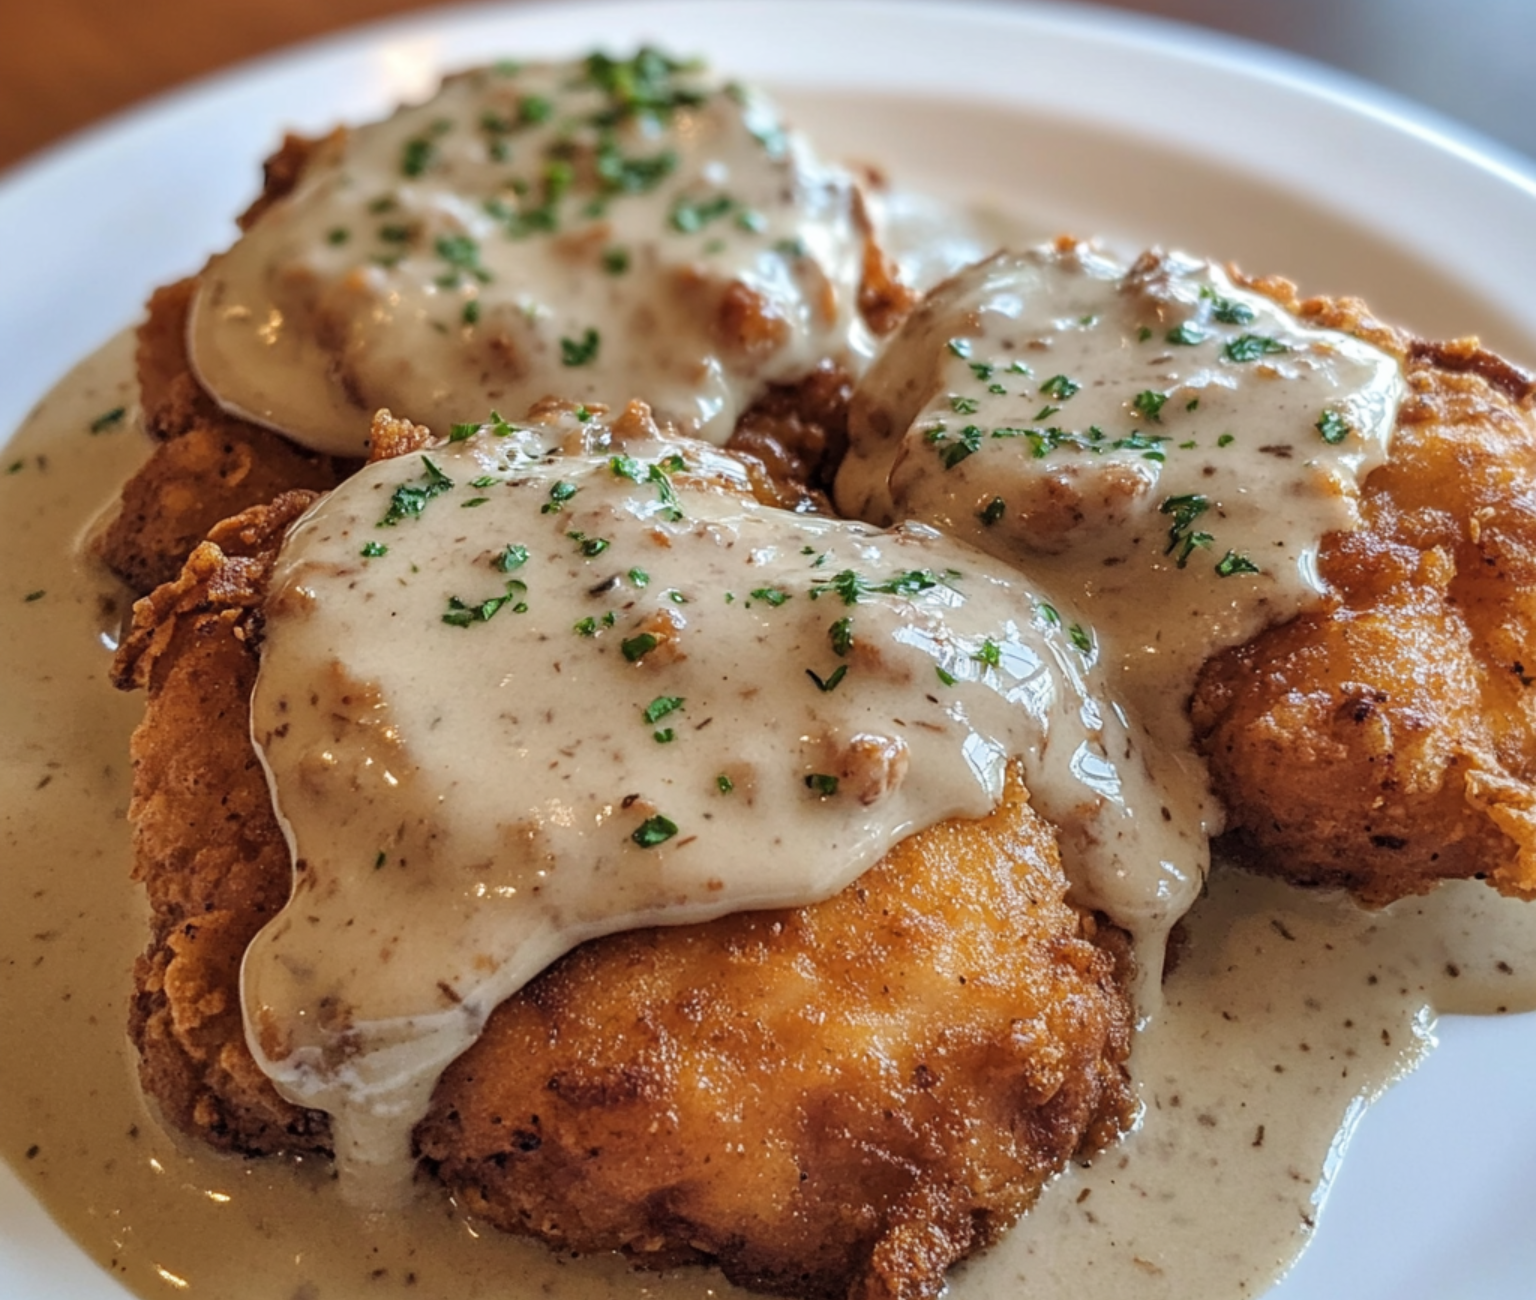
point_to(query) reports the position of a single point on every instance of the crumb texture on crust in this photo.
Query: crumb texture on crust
(207, 465)
(840, 1099)
(1388, 740)
(834, 1100)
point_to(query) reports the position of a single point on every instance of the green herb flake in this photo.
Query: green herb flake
(968, 445)
(689, 216)
(580, 352)
(662, 705)
(989, 654)
(410, 499)
(473, 502)
(373, 550)
(585, 626)
(665, 736)
(588, 546)
(1232, 563)
(1081, 638)
(773, 596)
(1049, 614)
(828, 683)
(462, 613)
(947, 678)
(459, 432)
(960, 347)
(1334, 427)
(32, 596)
(724, 784)
(616, 260)
(1227, 310)
(533, 109)
(1144, 333)
(511, 557)
(417, 157)
(337, 235)
(637, 647)
(108, 419)
(639, 577)
(823, 784)
(840, 634)
(470, 314)
(990, 513)
(1226, 440)
(963, 405)
(653, 831)
(1060, 387)
(1187, 335)
(559, 494)
(1182, 537)
(1150, 404)
(1250, 347)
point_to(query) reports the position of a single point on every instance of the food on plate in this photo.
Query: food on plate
(599, 229)
(584, 785)
(1170, 444)
(752, 707)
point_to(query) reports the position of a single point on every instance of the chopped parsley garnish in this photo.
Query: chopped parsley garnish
(947, 678)
(840, 634)
(689, 216)
(989, 654)
(1250, 347)
(983, 370)
(1049, 614)
(463, 255)
(470, 314)
(1144, 333)
(410, 499)
(1187, 335)
(968, 445)
(463, 614)
(1226, 440)
(1150, 404)
(459, 432)
(828, 683)
(418, 155)
(1227, 310)
(337, 235)
(1081, 638)
(585, 626)
(1334, 427)
(1233, 562)
(774, 596)
(1182, 536)
(484, 481)
(851, 586)
(559, 494)
(963, 405)
(473, 502)
(588, 546)
(662, 705)
(1060, 387)
(582, 351)
(724, 784)
(107, 419)
(373, 550)
(637, 647)
(960, 347)
(512, 557)
(533, 109)
(616, 260)
(664, 736)
(653, 831)
(639, 577)
(618, 174)
(822, 784)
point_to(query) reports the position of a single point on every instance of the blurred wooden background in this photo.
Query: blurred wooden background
(67, 63)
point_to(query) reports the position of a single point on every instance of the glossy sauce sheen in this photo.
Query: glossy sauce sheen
(1189, 1206)
(533, 231)
(1162, 444)
(571, 694)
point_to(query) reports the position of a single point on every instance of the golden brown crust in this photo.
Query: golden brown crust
(827, 1101)
(1388, 740)
(208, 464)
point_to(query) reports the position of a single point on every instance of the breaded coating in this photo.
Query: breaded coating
(832, 1100)
(208, 465)
(1388, 740)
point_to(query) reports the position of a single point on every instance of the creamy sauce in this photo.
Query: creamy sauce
(570, 694)
(1181, 1208)
(591, 230)
(1165, 446)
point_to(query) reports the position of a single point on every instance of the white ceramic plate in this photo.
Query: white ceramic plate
(1091, 123)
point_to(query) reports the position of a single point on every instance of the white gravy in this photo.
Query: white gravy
(1289, 1011)
(591, 230)
(1165, 446)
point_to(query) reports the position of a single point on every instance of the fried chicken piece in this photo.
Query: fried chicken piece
(836, 1099)
(1388, 740)
(208, 466)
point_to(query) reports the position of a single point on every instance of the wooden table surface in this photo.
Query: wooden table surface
(67, 63)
